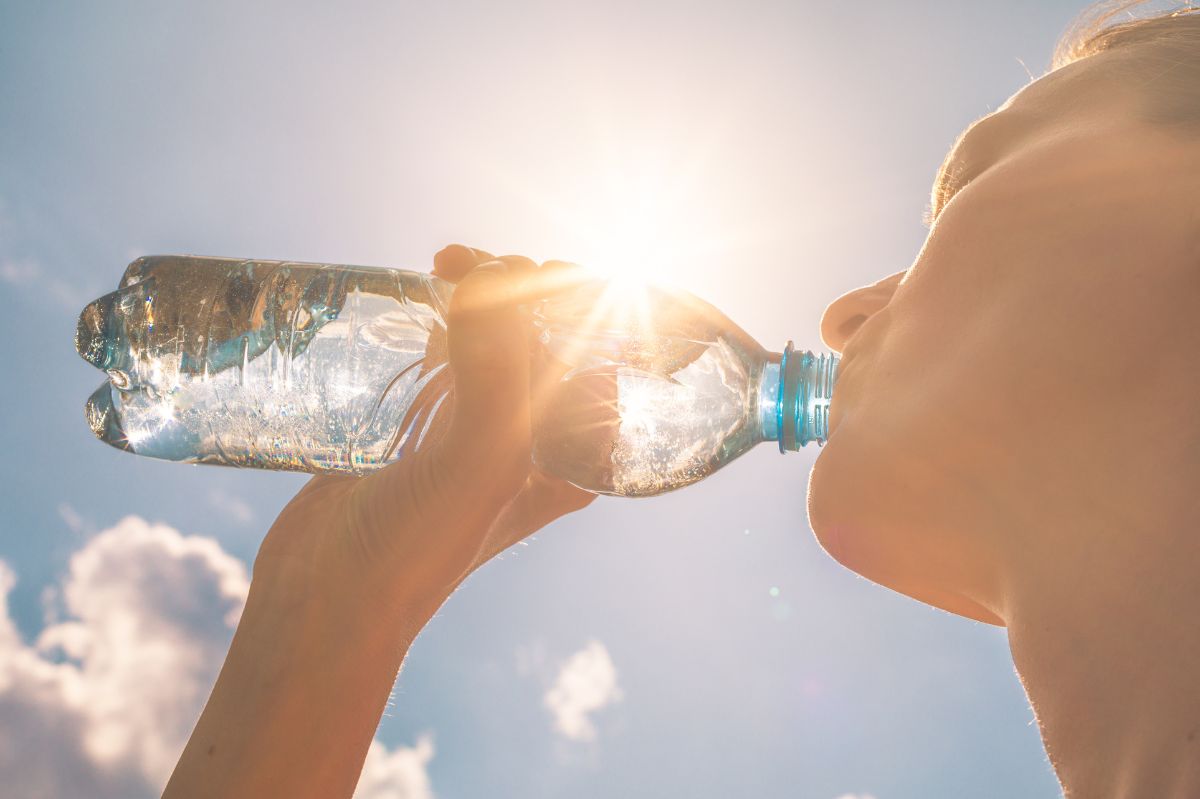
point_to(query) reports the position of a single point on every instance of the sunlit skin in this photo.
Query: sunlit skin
(1014, 440)
(1015, 430)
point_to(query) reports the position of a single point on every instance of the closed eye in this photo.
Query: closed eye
(949, 181)
(981, 146)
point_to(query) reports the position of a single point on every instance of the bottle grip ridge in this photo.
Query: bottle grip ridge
(805, 390)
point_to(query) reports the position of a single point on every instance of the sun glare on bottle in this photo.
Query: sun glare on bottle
(630, 249)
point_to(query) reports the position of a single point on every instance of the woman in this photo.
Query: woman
(1014, 439)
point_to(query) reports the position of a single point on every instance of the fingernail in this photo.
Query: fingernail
(453, 260)
(495, 268)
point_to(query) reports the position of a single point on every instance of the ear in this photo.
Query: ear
(847, 313)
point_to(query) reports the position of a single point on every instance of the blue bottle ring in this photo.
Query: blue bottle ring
(792, 398)
(787, 351)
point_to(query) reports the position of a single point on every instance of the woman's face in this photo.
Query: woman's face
(983, 390)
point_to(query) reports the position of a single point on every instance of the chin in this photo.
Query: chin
(839, 506)
(869, 519)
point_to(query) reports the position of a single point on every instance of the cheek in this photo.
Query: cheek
(834, 511)
(918, 415)
(889, 513)
(865, 505)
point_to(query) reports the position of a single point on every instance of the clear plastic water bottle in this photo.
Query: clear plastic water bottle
(325, 368)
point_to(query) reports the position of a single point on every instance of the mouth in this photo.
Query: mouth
(837, 400)
(862, 344)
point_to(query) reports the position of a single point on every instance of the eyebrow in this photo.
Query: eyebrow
(947, 182)
(987, 140)
(941, 192)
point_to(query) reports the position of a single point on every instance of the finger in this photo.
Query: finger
(452, 263)
(552, 278)
(520, 270)
(487, 448)
(519, 266)
(556, 276)
(555, 265)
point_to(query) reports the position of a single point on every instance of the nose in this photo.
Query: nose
(849, 312)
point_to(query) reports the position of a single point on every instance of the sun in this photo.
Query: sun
(632, 221)
(631, 245)
(633, 211)
(637, 229)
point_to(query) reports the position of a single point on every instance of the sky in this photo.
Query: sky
(767, 156)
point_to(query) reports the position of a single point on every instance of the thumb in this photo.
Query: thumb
(487, 447)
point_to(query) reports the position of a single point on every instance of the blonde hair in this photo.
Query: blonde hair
(1160, 49)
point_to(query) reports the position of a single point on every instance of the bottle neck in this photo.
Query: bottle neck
(793, 397)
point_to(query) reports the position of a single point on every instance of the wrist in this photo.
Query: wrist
(322, 584)
(287, 600)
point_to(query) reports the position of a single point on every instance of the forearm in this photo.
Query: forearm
(354, 567)
(298, 698)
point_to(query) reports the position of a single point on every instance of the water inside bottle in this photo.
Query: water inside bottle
(266, 364)
(318, 368)
(657, 394)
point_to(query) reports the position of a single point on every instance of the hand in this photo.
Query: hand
(403, 538)
(354, 567)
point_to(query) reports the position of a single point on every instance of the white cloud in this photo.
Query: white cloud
(396, 774)
(118, 683)
(19, 272)
(586, 683)
(73, 519)
(66, 294)
(105, 699)
(232, 506)
(531, 661)
(29, 275)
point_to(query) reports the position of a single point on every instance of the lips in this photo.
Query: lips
(839, 395)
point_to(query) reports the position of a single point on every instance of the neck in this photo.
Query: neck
(1105, 633)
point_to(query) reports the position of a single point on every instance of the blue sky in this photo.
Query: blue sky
(766, 155)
